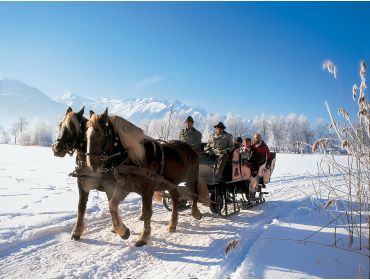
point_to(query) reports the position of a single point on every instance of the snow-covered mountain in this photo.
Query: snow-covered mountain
(133, 109)
(18, 99)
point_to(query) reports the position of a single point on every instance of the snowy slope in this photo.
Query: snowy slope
(18, 99)
(38, 203)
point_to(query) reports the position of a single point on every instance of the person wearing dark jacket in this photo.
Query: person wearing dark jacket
(262, 149)
(190, 135)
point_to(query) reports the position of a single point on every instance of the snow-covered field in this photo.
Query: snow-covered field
(38, 204)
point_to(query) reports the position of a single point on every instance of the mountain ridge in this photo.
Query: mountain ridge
(19, 99)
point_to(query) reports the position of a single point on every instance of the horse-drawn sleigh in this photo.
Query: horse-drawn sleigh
(114, 156)
(237, 189)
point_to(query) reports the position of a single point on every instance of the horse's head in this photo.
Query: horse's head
(70, 133)
(100, 140)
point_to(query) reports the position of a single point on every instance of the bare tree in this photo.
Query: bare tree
(14, 131)
(21, 123)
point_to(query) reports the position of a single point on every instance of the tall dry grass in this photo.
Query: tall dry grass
(350, 194)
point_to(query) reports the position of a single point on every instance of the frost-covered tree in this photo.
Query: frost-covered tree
(260, 124)
(294, 134)
(42, 134)
(5, 137)
(321, 129)
(39, 133)
(1, 133)
(157, 129)
(234, 125)
(282, 133)
(307, 133)
(25, 139)
(276, 129)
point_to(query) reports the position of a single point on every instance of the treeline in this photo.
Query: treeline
(283, 133)
(37, 133)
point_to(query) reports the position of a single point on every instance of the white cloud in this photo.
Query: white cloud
(149, 81)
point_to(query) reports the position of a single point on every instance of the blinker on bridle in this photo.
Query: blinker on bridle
(108, 133)
(69, 144)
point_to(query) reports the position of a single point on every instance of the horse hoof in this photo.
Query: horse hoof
(126, 235)
(75, 237)
(171, 229)
(140, 243)
(198, 216)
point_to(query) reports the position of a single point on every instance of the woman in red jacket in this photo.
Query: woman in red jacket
(262, 149)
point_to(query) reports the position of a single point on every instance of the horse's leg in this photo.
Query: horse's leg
(82, 201)
(175, 210)
(194, 207)
(147, 200)
(109, 196)
(118, 226)
(141, 217)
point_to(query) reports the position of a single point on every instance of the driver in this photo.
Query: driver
(220, 144)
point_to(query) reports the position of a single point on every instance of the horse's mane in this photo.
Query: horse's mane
(131, 138)
(93, 120)
(71, 117)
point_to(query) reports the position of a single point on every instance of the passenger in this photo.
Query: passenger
(190, 135)
(238, 143)
(262, 149)
(250, 155)
(220, 145)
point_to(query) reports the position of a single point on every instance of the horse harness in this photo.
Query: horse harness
(123, 167)
(118, 155)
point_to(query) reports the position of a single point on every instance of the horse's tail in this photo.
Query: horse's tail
(157, 196)
(203, 192)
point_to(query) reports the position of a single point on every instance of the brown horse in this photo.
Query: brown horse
(72, 138)
(111, 137)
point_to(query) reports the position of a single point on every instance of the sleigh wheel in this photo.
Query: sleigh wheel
(167, 203)
(217, 205)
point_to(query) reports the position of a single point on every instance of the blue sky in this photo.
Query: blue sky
(246, 58)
